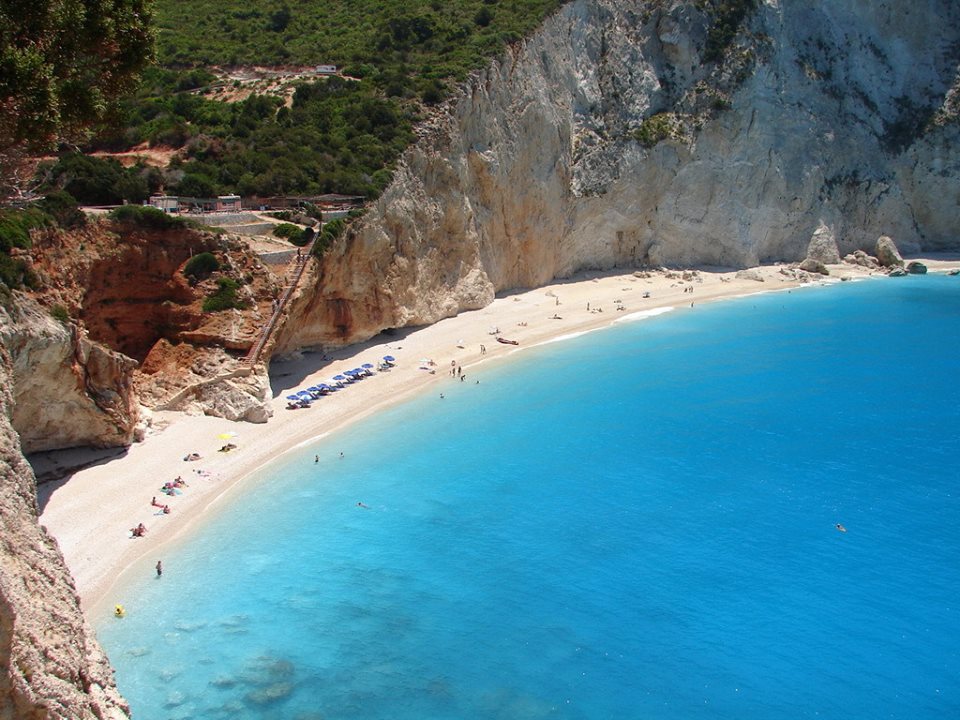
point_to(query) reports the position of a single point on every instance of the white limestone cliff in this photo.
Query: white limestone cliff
(51, 666)
(838, 118)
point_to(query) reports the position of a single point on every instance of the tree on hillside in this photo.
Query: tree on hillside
(62, 63)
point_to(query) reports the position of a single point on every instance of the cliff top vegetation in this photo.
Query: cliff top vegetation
(310, 136)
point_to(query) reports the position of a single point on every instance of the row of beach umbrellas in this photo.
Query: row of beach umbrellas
(337, 382)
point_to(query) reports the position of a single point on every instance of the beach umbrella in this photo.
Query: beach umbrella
(293, 397)
(339, 377)
(367, 365)
(389, 358)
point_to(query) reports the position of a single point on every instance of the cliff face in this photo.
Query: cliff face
(67, 390)
(605, 140)
(51, 666)
(136, 334)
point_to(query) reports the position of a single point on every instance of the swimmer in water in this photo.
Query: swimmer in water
(360, 504)
(841, 528)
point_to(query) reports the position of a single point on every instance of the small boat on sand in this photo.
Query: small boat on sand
(506, 342)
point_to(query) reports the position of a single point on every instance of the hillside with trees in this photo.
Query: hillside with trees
(325, 134)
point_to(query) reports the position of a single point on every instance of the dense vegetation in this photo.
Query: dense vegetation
(400, 44)
(56, 210)
(62, 62)
(337, 135)
(224, 297)
(728, 16)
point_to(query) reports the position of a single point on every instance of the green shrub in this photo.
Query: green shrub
(728, 16)
(225, 297)
(655, 129)
(330, 232)
(287, 231)
(15, 227)
(62, 207)
(146, 216)
(201, 265)
(60, 314)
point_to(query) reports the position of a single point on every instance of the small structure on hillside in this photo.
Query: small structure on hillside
(326, 70)
(167, 203)
(228, 203)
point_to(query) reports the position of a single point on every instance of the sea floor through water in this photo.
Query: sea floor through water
(636, 523)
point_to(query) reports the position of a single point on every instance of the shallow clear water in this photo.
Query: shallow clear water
(636, 523)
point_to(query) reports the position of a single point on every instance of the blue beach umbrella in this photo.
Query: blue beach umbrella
(389, 358)
(293, 397)
(339, 377)
(367, 365)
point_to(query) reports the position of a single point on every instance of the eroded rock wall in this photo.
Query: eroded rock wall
(822, 115)
(51, 666)
(67, 390)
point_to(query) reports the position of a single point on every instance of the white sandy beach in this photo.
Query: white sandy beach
(92, 513)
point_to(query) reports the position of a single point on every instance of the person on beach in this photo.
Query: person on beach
(483, 349)
(159, 568)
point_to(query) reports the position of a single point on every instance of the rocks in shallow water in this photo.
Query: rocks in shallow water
(916, 268)
(887, 253)
(812, 265)
(897, 272)
(955, 271)
(269, 693)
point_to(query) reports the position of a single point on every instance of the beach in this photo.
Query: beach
(92, 512)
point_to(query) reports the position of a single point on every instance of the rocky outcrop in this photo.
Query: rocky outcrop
(51, 666)
(607, 140)
(823, 246)
(916, 268)
(811, 265)
(887, 253)
(67, 390)
(132, 330)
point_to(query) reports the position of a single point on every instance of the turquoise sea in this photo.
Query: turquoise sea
(635, 523)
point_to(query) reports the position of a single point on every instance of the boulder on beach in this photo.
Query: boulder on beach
(887, 253)
(811, 265)
(916, 268)
(823, 246)
(749, 274)
(897, 272)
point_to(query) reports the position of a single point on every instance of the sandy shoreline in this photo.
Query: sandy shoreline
(91, 512)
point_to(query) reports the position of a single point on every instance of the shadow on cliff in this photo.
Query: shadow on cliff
(55, 468)
(289, 373)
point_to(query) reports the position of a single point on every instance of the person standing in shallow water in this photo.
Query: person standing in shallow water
(159, 568)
